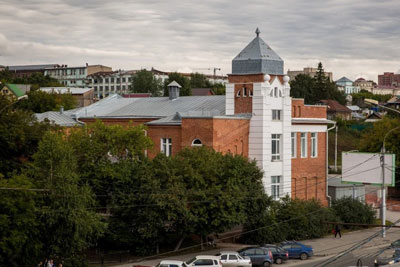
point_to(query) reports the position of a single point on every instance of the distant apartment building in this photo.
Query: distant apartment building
(163, 75)
(83, 96)
(307, 71)
(105, 83)
(389, 79)
(346, 85)
(25, 71)
(74, 76)
(386, 90)
(364, 84)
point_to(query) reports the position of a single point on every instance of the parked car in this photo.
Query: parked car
(171, 263)
(233, 259)
(279, 254)
(297, 249)
(259, 256)
(395, 244)
(388, 261)
(204, 260)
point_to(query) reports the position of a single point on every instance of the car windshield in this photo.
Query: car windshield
(190, 261)
(240, 257)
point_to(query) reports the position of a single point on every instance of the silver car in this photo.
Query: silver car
(233, 259)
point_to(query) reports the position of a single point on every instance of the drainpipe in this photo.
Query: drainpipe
(327, 163)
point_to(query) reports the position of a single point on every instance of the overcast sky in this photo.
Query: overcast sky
(352, 38)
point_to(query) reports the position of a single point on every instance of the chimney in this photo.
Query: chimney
(61, 110)
(173, 90)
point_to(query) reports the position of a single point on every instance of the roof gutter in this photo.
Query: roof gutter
(327, 163)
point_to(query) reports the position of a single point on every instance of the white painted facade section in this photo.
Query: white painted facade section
(262, 127)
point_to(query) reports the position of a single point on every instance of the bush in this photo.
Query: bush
(288, 219)
(349, 210)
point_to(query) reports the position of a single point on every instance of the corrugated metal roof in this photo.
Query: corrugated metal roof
(117, 106)
(65, 90)
(32, 67)
(14, 88)
(57, 118)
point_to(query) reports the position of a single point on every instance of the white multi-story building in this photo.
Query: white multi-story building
(105, 83)
(74, 76)
(346, 85)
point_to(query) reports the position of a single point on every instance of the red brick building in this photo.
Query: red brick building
(256, 118)
(389, 79)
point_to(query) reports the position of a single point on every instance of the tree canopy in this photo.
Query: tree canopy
(315, 89)
(144, 81)
(36, 80)
(39, 102)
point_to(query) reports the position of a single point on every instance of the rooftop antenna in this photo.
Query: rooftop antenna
(258, 32)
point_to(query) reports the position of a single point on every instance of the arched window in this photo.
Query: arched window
(238, 93)
(197, 142)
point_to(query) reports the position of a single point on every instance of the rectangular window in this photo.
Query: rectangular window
(276, 115)
(123, 87)
(294, 145)
(118, 80)
(112, 80)
(276, 146)
(166, 146)
(303, 139)
(276, 187)
(314, 145)
(106, 80)
(112, 87)
(123, 80)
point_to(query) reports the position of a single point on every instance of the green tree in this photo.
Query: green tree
(39, 102)
(20, 134)
(144, 81)
(36, 80)
(69, 224)
(198, 80)
(183, 81)
(349, 210)
(218, 88)
(315, 89)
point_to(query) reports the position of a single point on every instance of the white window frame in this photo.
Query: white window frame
(276, 114)
(314, 145)
(276, 187)
(303, 145)
(276, 144)
(194, 144)
(166, 146)
(294, 144)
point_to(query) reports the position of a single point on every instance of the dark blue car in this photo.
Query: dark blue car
(259, 256)
(297, 250)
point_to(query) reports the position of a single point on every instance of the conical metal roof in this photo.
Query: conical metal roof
(257, 57)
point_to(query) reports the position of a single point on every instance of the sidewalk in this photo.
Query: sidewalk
(323, 247)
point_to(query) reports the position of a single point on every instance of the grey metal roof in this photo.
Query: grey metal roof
(257, 57)
(151, 107)
(32, 67)
(344, 79)
(174, 83)
(57, 118)
(312, 121)
(335, 180)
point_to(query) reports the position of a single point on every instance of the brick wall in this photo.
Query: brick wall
(309, 174)
(169, 131)
(231, 136)
(243, 102)
(299, 110)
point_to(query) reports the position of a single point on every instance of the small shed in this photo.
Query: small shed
(337, 189)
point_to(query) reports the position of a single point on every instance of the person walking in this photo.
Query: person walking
(337, 231)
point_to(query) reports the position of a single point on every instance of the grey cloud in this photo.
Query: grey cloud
(351, 37)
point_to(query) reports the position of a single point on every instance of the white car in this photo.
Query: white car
(233, 259)
(204, 261)
(171, 263)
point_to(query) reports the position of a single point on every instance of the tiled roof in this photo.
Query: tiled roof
(334, 106)
(14, 88)
(257, 57)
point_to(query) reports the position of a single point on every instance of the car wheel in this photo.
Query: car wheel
(303, 256)
(266, 264)
(278, 261)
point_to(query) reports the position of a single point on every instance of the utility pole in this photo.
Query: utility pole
(215, 72)
(383, 201)
(337, 127)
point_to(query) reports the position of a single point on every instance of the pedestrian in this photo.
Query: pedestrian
(337, 231)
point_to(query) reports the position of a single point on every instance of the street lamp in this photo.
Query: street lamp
(12, 103)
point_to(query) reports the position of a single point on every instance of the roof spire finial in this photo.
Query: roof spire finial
(257, 32)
